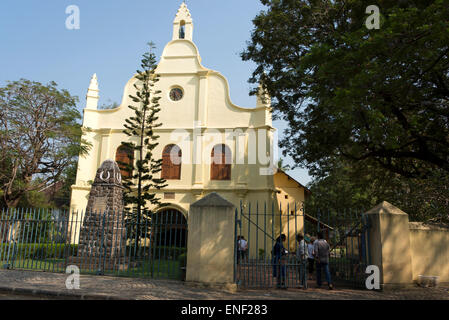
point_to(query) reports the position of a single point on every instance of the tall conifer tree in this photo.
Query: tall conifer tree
(144, 172)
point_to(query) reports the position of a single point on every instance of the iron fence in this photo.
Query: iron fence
(262, 266)
(96, 242)
(111, 243)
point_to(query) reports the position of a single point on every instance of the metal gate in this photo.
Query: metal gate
(270, 262)
(96, 243)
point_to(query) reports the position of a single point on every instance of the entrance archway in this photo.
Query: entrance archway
(170, 228)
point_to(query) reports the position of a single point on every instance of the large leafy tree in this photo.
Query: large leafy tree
(144, 172)
(40, 137)
(361, 186)
(355, 94)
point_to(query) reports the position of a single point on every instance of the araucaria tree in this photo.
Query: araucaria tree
(143, 173)
(40, 137)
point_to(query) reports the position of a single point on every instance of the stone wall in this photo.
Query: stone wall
(404, 250)
(429, 250)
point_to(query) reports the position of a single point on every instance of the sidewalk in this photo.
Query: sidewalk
(102, 287)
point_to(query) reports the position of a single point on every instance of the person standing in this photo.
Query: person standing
(301, 257)
(278, 254)
(242, 247)
(322, 250)
(310, 259)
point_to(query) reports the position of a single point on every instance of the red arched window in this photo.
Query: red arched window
(220, 168)
(171, 162)
(124, 157)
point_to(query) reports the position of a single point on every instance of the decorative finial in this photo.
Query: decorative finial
(93, 82)
(93, 93)
(183, 11)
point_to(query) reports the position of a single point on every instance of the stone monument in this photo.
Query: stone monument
(102, 239)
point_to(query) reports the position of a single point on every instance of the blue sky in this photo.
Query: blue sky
(36, 45)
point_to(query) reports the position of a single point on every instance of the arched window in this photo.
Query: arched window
(220, 168)
(182, 30)
(124, 157)
(171, 162)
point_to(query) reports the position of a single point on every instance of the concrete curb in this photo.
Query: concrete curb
(60, 294)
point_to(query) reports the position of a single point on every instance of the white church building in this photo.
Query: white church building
(200, 123)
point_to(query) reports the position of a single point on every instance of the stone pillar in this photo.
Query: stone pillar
(105, 144)
(202, 99)
(210, 247)
(102, 237)
(389, 245)
(198, 160)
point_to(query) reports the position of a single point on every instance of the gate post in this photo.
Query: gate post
(210, 245)
(389, 245)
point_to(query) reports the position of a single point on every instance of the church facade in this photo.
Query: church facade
(207, 143)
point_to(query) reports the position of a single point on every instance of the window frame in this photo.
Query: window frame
(170, 170)
(221, 171)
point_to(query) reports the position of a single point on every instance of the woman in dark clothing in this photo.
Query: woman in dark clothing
(278, 268)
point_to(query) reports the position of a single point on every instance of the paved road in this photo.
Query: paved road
(103, 287)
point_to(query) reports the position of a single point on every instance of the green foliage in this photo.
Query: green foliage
(362, 186)
(357, 94)
(56, 251)
(144, 171)
(39, 138)
(68, 176)
(163, 252)
(41, 225)
(34, 199)
(182, 258)
(157, 252)
(38, 251)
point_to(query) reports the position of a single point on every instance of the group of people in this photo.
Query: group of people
(310, 252)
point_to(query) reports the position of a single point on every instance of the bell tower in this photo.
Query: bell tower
(183, 24)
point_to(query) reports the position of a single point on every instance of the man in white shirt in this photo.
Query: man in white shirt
(242, 246)
(301, 255)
